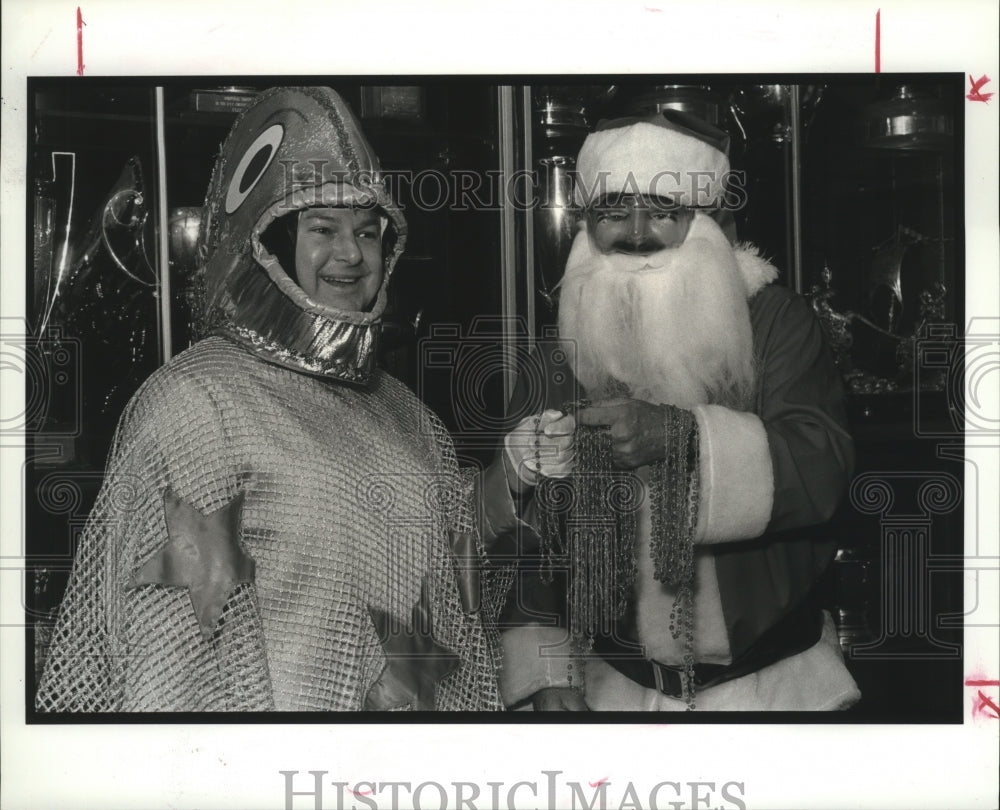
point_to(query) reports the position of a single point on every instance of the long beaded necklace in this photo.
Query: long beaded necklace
(595, 512)
(673, 495)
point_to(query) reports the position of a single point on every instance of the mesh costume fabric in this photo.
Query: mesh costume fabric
(348, 494)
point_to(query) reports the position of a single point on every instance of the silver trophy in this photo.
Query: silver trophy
(563, 115)
(555, 223)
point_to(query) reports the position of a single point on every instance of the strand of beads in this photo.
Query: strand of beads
(673, 492)
(548, 519)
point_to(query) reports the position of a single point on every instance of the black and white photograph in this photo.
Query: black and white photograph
(393, 434)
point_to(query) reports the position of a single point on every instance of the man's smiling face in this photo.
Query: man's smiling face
(338, 256)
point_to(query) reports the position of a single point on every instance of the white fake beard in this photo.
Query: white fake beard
(671, 328)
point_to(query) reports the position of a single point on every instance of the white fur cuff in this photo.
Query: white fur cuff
(737, 477)
(534, 658)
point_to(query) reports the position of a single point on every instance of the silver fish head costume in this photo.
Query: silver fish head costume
(282, 525)
(294, 148)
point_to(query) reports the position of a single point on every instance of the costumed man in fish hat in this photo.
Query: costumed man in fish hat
(699, 411)
(282, 525)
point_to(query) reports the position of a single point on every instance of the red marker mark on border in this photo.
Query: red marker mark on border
(599, 782)
(982, 703)
(878, 41)
(79, 41)
(975, 94)
(985, 702)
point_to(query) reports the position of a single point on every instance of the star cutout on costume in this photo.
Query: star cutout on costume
(203, 554)
(415, 662)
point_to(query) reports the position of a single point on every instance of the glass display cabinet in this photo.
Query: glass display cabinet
(853, 191)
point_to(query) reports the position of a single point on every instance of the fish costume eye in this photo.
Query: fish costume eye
(252, 166)
(293, 148)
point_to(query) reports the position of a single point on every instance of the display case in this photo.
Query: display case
(853, 191)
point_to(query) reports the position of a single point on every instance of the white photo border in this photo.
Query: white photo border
(238, 766)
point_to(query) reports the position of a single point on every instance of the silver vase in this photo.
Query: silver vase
(555, 224)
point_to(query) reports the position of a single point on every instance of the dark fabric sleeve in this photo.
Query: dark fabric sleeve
(801, 403)
(802, 409)
(544, 380)
(532, 619)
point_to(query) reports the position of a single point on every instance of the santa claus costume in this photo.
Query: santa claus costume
(758, 456)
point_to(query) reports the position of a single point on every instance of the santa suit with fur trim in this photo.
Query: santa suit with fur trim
(771, 470)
